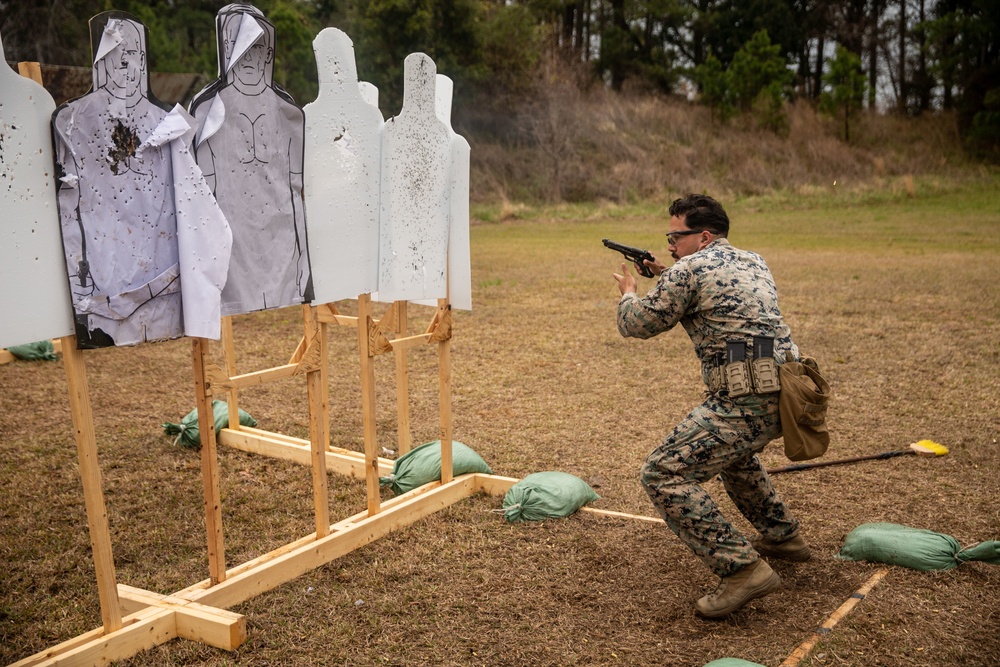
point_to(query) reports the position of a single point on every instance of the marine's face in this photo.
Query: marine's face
(683, 241)
(126, 64)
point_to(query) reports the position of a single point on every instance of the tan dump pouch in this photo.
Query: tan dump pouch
(802, 404)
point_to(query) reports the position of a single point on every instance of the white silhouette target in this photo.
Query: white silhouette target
(416, 187)
(342, 174)
(35, 301)
(459, 259)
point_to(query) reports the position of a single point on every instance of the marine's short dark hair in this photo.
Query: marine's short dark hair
(701, 212)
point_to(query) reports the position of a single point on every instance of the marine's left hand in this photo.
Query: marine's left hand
(626, 281)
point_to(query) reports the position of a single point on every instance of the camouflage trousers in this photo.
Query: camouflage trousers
(722, 437)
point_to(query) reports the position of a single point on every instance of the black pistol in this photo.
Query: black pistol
(634, 255)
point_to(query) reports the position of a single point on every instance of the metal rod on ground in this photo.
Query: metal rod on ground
(806, 647)
(922, 448)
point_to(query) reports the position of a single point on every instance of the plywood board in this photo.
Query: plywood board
(342, 175)
(35, 299)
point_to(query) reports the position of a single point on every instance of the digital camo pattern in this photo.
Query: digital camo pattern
(722, 437)
(717, 294)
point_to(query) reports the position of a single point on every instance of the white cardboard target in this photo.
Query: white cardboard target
(342, 174)
(459, 259)
(416, 188)
(35, 301)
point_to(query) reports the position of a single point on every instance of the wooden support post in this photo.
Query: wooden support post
(444, 394)
(229, 358)
(319, 419)
(209, 463)
(93, 492)
(404, 437)
(368, 402)
(30, 70)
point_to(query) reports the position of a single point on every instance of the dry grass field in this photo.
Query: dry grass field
(898, 297)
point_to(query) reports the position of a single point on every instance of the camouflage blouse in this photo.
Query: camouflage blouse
(717, 294)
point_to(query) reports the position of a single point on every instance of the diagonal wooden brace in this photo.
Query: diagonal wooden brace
(218, 381)
(440, 328)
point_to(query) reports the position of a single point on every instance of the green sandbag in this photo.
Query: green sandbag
(39, 351)
(422, 465)
(187, 431)
(915, 548)
(732, 662)
(546, 495)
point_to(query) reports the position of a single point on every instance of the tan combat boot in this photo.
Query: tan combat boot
(795, 549)
(753, 581)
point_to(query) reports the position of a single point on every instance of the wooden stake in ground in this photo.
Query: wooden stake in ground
(93, 493)
(368, 403)
(806, 647)
(443, 337)
(209, 462)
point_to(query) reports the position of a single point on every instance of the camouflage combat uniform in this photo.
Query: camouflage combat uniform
(717, 294)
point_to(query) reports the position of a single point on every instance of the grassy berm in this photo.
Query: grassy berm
(894, 290)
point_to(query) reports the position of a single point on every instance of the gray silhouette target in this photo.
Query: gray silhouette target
(250, 147)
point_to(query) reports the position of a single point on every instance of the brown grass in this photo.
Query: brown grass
(909, 333)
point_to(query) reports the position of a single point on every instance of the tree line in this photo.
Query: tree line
(738, 56)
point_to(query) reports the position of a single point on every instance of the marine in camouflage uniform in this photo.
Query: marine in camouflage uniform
(718, 293)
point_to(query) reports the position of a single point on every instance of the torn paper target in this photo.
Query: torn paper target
(119, 153)
(250, 147)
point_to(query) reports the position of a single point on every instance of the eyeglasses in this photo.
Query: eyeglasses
(673, 236)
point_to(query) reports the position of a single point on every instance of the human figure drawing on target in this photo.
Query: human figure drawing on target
(250, 146)
(115, 198)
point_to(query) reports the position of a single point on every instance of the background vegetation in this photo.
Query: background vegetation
(907, 57)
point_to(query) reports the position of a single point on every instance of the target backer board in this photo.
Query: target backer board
(341, 175)
(415, 192)
(35, 302)
(459, 258)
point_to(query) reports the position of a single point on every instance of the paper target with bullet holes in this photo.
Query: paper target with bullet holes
(250, 148)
